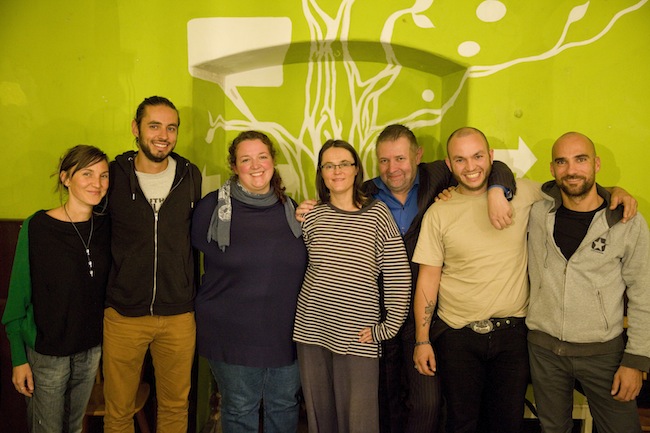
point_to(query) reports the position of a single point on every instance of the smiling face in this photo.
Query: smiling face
(88, 185)
(470, 161)
(398, 164)
(575, 165)
(157, 132)
(254, 166)
(337, 171)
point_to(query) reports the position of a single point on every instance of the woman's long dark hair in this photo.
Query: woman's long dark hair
(358, 196)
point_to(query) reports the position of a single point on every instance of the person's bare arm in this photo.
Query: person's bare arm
(424, 304)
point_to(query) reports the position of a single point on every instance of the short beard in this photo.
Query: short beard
(150, 156)
(577, 191)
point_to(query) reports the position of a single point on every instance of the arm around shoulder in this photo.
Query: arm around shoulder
(502, 175)
(636, 275)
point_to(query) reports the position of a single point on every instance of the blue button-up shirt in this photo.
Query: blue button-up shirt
(403, 214)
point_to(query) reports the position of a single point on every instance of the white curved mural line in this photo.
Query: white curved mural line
(429, 117)
(331, 67)
(576, 14)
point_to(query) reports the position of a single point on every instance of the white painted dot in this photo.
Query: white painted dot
(490, 11)
(428, 95)
(469, 49)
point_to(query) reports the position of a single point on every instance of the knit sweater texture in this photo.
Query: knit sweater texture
(246, 303)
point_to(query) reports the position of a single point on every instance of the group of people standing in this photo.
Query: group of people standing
(109, 274)
(371, 303)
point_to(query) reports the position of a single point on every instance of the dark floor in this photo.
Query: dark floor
(530, 426)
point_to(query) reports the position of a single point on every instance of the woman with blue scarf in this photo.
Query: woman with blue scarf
(254, 263)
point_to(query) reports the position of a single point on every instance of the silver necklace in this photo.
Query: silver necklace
(86, 245)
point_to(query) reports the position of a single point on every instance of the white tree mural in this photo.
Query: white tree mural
(331, 67)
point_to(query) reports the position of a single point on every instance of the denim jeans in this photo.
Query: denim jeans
(62, 387)
(484, 379)
(243, 388)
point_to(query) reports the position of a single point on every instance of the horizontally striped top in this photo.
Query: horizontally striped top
(340, 296)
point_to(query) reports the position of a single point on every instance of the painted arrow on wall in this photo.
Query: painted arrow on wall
(520, 160)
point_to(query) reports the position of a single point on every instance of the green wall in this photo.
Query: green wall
(73, 72)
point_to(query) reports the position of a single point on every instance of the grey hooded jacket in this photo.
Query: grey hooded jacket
(577, 306)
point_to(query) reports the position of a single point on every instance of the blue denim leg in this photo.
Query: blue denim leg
(280, 395)
(243, 388)
(62, 387)
(241, 392)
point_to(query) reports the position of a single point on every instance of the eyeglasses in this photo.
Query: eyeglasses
(343, 166)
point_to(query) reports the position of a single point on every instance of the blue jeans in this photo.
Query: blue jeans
(243, 388)
(484, 379)
(554, 377)
(62, 387)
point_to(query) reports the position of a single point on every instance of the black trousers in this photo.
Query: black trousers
(408, 401)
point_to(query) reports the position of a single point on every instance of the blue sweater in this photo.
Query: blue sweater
(246, 304)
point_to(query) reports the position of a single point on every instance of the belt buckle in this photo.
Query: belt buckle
(482, 326)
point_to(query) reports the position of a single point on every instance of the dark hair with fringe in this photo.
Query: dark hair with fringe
(75, 159)
(358, 196)
(276, 180)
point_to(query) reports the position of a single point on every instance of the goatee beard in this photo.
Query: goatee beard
(576, 190)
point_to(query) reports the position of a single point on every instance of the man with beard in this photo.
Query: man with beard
(408, 187)
(150, 293)
(583, 263)
(478, 276)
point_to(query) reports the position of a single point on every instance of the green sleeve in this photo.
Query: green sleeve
(18, 316)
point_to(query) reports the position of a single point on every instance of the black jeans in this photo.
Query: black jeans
(484, 378)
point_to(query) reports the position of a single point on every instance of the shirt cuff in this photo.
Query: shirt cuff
(506, 191)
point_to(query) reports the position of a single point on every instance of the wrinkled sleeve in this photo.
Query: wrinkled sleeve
(18, 316)
(396, 273)
(636, 274)
(503, 176)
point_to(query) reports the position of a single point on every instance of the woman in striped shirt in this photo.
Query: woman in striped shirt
(352, 242)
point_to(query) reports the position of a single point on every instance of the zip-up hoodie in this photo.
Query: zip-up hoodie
(577, 306)
(153, 270)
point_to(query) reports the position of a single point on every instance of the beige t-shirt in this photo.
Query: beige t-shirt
(484, 270)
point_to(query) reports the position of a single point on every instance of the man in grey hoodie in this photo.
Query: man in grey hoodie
(583, 262)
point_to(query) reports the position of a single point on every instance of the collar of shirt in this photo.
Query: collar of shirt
(403, 214)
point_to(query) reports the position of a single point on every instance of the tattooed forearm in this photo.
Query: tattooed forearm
(428, 313)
